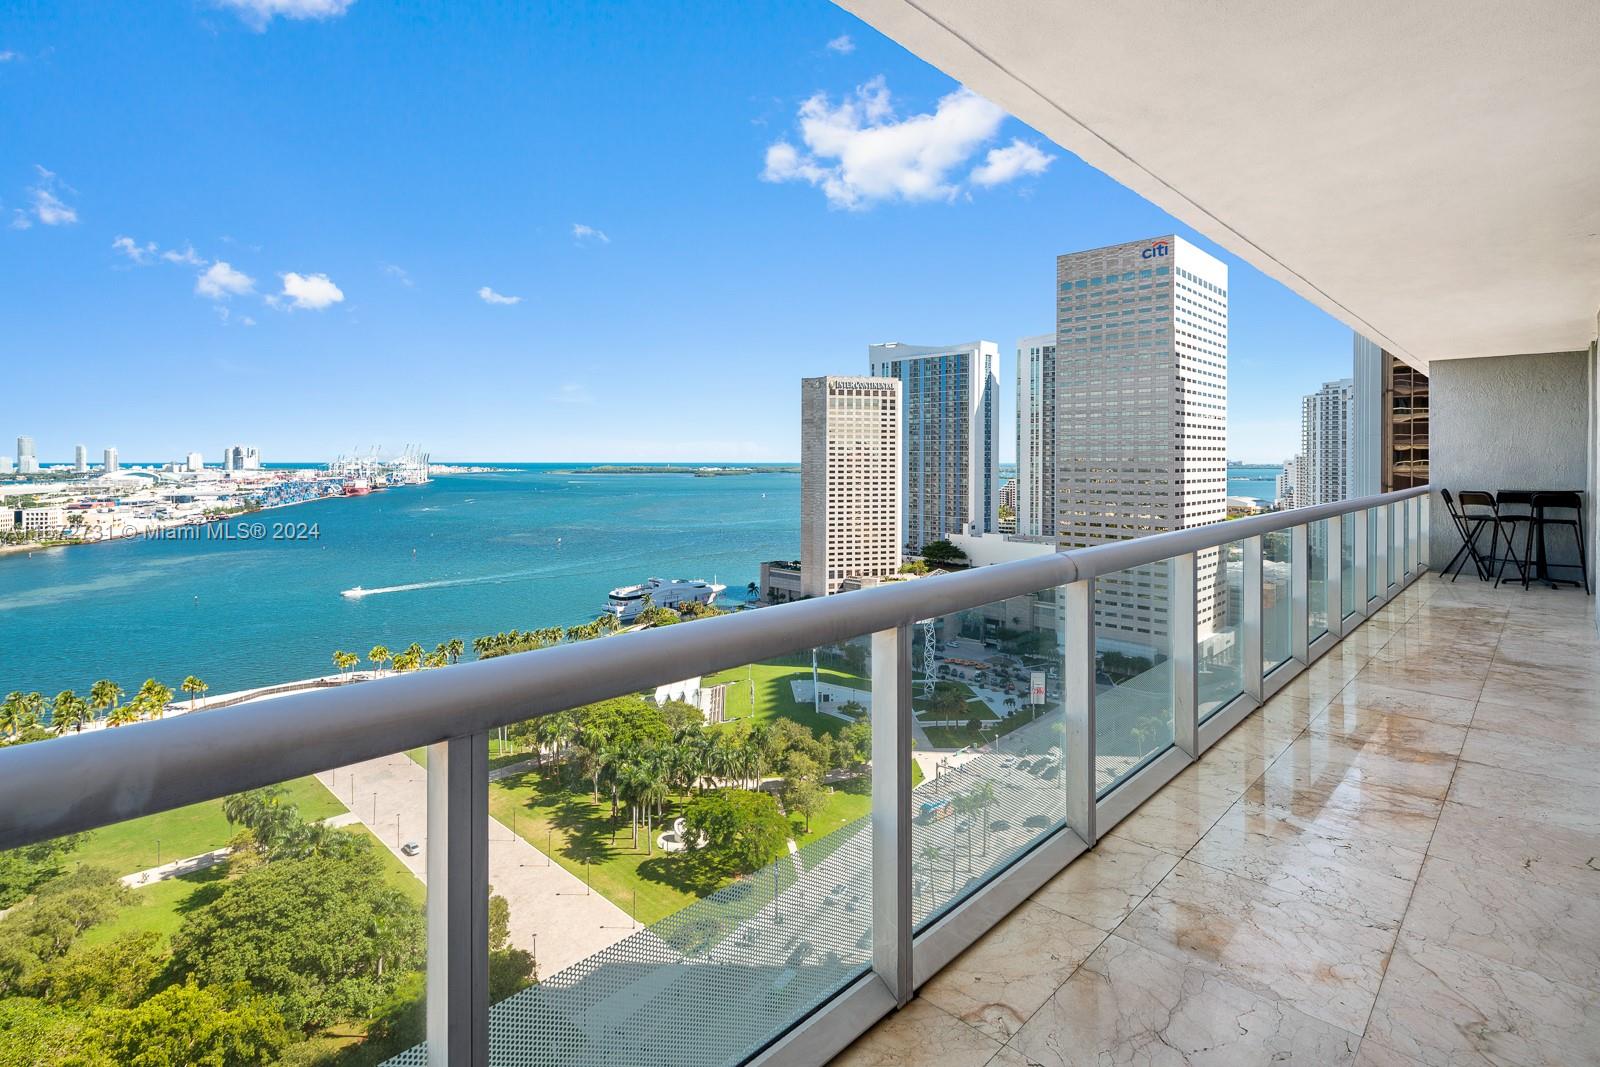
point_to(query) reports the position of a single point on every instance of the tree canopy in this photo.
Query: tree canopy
(744, 829)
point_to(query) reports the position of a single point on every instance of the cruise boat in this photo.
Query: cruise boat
(357, 487)
(627, 601)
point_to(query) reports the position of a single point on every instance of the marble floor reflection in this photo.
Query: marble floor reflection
(1404, 871)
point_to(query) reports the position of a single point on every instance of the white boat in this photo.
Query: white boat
(627, 601)
(354, 594)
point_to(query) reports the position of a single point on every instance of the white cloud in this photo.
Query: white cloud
(141, 254)
(7, 56)
(188, 255)
(220, 281)
(582, 233)
(842, 44)
(307, 292)
(1006, 164)
(258, 14)
(20, 220)
(859, 153)
(399, 274)
(572, 393)
(489, 296)
(48, 207)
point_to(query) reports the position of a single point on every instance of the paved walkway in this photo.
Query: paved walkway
(552, 914)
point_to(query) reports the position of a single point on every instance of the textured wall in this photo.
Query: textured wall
(1508, 422)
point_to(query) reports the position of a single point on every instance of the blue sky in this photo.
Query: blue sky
(524, 231)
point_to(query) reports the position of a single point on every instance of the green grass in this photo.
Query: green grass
(498, 756)
(775, 696)
(131, 846)
(577, 829)
(849, 801)
(160, 906)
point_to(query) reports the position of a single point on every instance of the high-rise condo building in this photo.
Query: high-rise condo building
(1327, 445)
(242, 458)
(950, 415)
(27, 462)
(194, 462)
(110, 461)
(1036, 435)
(849, 481)
(80, 459)
(1141, 413)
(1288, 485)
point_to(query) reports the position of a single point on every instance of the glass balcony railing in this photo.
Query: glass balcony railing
(672, 847)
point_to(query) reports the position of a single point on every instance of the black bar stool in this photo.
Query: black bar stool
(1515, 510)
(1469, 526)
(1543, 504)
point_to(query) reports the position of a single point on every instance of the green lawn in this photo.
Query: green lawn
(577, 829)
(774, 696)
(131, 846)
(160, 906)
(850, 800)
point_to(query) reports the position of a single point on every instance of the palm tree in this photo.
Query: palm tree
(104, 695)
(983, 798)
(154, 697)
(652, 796)
(123, 714)
(379, 656)
(11, 713)
(69, 712)
(32, 709)
(931, 854)
(454, 648)
(194, 687)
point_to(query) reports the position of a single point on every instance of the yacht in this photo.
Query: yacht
(627, 601)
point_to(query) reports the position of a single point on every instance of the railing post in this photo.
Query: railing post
(1335, 595)
(891, 810)
(458, 902)
(1185, 636)
(1250, 625)
(1077, 700)
(1413, 532)
(1363, 519)
(1300, 592)
(1384, 548)
(1424, 530)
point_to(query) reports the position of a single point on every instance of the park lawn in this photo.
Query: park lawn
(775, 696)
(131, 846)
(850, 800)
(578, 828)
(159, 906)
(499, 755)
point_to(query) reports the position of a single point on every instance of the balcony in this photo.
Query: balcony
(1388, 863)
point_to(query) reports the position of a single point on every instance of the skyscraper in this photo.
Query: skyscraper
(1288, 484)
(849, 481)
(1327, 445)
(80, 459)
(111, 465)
(27, 462)
(1036, 435)
(1141, 412)
(950, 415)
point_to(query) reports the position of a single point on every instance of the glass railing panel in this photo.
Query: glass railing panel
(699, 853)
(1408, 510)
(1396, 521)
(1318, 548)
(1372, 553)
(1347, 565)
(1277, 553)
(1219, 650)
(987, 710)
(279, 925)
(1133, 714)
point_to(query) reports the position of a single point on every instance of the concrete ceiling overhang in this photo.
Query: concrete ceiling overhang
(1427, 171)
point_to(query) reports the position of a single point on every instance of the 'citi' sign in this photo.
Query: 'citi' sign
(1157, 249)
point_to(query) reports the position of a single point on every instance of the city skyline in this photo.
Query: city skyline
(455, 293)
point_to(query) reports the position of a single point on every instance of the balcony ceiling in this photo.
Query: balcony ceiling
(1428, 171)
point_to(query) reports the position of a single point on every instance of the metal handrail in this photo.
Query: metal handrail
(65, 785)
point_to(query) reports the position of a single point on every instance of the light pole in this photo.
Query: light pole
(374, 808)
(397, 829)
(158, 852)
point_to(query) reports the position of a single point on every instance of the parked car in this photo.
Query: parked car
(411, 848)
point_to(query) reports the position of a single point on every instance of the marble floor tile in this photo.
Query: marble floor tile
(1438, 682)
(1503, 689)
(1457, 711)
(1477, 838)
(1535, 797)
(1317, 756)
(1173, 821)
(1253, 739)
(1222, 772)
(1104, 884)
(1508, 915)
(910, 1034)
(1558, 722)
(1324, 962)
(1579, 677)
(1311, 693)
(1128, 1005)
(1444, 1007)
(1372, 1054)
(995, 985)
(1357, 725)
(1360, 874)
(1531, 753)
(1340, 806)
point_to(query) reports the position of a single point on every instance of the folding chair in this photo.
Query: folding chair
(1469, 527)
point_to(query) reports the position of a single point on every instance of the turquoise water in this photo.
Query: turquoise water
(461, 556)
(1258, 482)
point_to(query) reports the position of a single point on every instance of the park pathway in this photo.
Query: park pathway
(553, 915)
